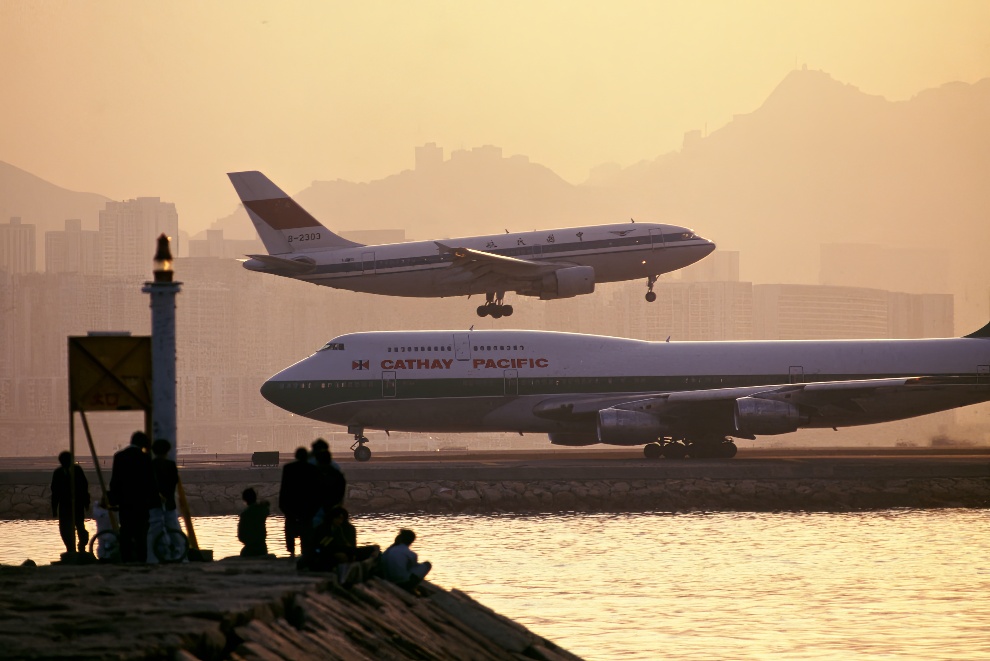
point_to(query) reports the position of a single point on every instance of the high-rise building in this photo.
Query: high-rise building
(912, 270)
(128, 231)
(17, 247)
(818, 312)
(720, 266)
(428, 157)
(73, 250)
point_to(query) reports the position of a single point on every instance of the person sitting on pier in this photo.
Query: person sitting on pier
(251, 525)
(332, 544)
(400, 564)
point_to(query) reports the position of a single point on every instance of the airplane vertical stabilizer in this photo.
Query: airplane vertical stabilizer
(283, 225)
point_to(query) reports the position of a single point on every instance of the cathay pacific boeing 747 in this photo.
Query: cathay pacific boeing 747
(678, 398)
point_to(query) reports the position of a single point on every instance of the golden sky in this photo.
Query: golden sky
(133, 97)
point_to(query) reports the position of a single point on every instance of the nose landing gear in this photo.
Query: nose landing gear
(494, 307)
(650, 295)
(361, 453)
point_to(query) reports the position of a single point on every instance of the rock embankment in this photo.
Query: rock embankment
(244, 609)
(816, 485)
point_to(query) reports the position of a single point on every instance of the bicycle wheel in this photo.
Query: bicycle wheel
(171, 545)
(107, 545)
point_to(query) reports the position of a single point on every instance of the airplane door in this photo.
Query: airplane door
(795, 374)
(462, 346)
(368, 262)
(982, 373)
(656, 238)
(511, 383)
(388, 384)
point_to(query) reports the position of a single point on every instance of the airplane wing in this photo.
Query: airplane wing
(817, 404)
(480, 263)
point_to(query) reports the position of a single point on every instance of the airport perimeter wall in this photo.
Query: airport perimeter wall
(821, 485)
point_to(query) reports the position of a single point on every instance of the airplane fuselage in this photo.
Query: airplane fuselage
(617, 252)
(549, 382)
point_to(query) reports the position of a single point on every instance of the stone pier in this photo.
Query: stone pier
(245, 610)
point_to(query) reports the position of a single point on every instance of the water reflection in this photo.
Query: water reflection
(894, 584)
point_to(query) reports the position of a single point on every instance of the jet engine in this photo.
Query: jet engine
(573, 439)
(767, 416)
(620, 427)
(568, 282)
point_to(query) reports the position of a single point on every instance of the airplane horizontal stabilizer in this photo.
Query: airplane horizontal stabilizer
(298, 265)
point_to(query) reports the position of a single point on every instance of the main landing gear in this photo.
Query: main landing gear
(494, 306)
(650, 294)
(361, 453)
(706, 448)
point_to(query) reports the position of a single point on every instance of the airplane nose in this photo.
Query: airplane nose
(278, 393)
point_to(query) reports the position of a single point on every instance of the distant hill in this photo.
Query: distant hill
(44, 205)
(820, 161)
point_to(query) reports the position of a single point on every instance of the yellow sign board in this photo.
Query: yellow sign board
(109, 373)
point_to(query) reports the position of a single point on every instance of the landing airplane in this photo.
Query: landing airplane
(679, 398)
(549, 264)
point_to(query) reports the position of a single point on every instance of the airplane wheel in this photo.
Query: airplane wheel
(728, 450)
(651, 296)
(506, 310)
(653, 451)
(674, 451)
(482, 310)
(362, 453)
(496, 313)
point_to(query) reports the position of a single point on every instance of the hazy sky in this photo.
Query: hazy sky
(132, 98)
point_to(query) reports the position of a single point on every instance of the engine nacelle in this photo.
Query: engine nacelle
(568, 282)
(620, 427)
(767, 416)
(573, 439)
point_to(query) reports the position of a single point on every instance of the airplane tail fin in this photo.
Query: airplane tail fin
(283, 225)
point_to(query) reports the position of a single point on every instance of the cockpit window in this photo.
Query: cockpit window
(333, 346)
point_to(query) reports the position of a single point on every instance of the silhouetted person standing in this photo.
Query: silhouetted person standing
(62, 502)
(333, 484)
(251, 525)
(298, 500)
(133, 492)
(163, 515)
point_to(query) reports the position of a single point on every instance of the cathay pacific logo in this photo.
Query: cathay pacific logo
(360, 365)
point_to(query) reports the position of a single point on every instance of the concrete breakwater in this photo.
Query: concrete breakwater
(465, 487)
(244, 609)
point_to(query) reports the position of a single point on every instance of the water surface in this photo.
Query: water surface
(902, 584)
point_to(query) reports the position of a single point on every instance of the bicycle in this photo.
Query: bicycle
(171, 545)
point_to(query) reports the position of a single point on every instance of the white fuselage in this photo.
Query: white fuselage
(502, 380)
(617, 252)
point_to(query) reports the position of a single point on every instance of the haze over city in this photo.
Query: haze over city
(133, 99)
